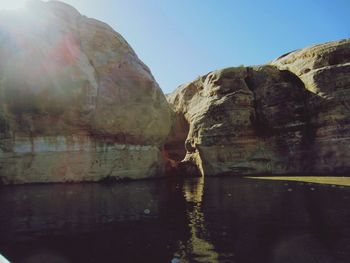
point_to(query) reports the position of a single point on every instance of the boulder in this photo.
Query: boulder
(76, 103)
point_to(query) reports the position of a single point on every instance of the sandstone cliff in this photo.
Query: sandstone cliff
(76, 103)
(289, 117)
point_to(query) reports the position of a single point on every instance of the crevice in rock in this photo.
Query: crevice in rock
(187, 169)
(258, 121)
(175, 145)
(309, 130)
(175, 150)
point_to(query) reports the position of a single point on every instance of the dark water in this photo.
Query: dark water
(172, 220)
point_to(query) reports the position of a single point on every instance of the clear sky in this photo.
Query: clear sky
(182, 39)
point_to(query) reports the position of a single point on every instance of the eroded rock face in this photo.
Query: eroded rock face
(325, 71)
(268, 120)
(76, 102)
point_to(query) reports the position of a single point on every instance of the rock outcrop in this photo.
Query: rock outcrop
(325, 72)
(76, 103)
(289, 117)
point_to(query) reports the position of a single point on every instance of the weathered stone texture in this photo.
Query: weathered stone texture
(271, 119)
(64, 75)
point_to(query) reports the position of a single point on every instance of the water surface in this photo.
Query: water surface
(172, 220)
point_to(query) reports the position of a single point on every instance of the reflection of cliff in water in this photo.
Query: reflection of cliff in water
(131, 222)
(277, 222)
(222, 220)
(198, 247)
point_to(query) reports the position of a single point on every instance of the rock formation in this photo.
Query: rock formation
(325, 72)
(76, 103)
(289, 117)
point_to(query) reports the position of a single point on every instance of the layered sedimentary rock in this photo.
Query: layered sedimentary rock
(325, 72)
(76, 103)
(290, 117)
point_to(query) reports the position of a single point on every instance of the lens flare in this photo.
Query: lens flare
(11, 4)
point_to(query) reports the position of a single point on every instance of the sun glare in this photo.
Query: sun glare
(11, 4)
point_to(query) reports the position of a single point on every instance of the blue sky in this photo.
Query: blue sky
(182, 39)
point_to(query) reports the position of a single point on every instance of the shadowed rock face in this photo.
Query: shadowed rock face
(325, 72)
(290, 117)
(76, 103)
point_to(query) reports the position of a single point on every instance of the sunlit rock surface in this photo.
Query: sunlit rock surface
(291, 117)
(76, 103)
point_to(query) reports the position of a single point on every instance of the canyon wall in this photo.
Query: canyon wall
(288, 117)
(76, 103)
